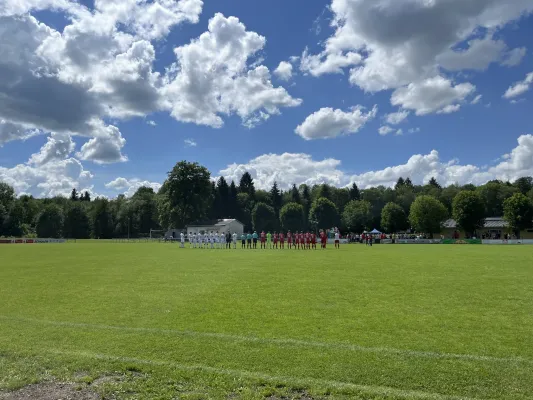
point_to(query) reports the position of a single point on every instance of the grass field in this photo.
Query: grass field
(388, 322)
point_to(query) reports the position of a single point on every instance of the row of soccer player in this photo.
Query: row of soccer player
(298, 240)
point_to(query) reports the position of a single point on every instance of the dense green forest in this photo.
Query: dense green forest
(189, 195)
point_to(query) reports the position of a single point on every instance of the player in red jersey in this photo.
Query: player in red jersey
(313, 240)
(289, 240)
(263, 240)
(281, 240)
(299, 236)
(323, 239)
(275, 240)
(307, 240)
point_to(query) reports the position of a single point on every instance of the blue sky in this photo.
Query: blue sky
(112, 108)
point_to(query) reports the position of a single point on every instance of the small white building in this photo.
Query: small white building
(218, 225)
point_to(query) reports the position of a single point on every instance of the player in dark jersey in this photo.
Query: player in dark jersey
(263, 240)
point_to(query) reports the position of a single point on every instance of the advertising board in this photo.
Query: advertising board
(341, 241)
(461, 241)
(418, 241)
(37, 240)
(513, 241)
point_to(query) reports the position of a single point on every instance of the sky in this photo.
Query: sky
(107, 95)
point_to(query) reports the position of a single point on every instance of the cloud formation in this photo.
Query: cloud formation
(328, 123)
(296, 168)
(128, 187)
(519, 88)
(284, 71)
(213, 76)
(403, 46)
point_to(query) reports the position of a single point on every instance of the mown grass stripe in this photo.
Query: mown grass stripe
(287, 380)
(278, 341)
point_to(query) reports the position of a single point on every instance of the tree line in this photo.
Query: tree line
(189, 194)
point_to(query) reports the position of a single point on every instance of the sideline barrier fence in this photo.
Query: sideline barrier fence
(462, 241)
(332, 241)
(32, 240)
(510, 241)
(418, 241)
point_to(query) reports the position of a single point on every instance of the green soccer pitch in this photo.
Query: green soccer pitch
(160, 322)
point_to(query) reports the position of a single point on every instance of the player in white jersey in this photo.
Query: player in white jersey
(222, 241)
(206, 240)
(212, 240)
(194, 240)
(191, 240)
(182, 240)
(234, 238)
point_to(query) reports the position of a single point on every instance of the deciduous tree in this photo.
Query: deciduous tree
(393, 218)
(50, 222)
(264, 217)
(292, 217)
(518, 212)
(323, 214)
(357, 215)
(185, 196)
(76, 224)
(469, 211)
(427, 215)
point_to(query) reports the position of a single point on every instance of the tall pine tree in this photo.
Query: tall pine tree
(355, 194)
(324, 191)
(295, 195)
(222, 198)
(433, 182)
(275, 199)
(233, 208)
(246, 185)
(306, 202)
(399, 183)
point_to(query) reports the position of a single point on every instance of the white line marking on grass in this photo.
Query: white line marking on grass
(293, 381)
(278, 341)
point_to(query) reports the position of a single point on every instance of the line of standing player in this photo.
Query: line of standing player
(297, 240)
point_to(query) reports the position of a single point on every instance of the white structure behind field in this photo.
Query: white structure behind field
(218, 225)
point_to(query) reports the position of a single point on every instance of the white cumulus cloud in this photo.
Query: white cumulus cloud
(58, 147)
(435, 94)
(398, 43)
(105, 147)
(519, 88)
(212, 77)
(284, 71)
(328, 123)
(385, 130)
(129, 186)
(286, 169)
(297, 168)
(396, 118)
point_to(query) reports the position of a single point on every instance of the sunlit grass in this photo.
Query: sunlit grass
(390, 321)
